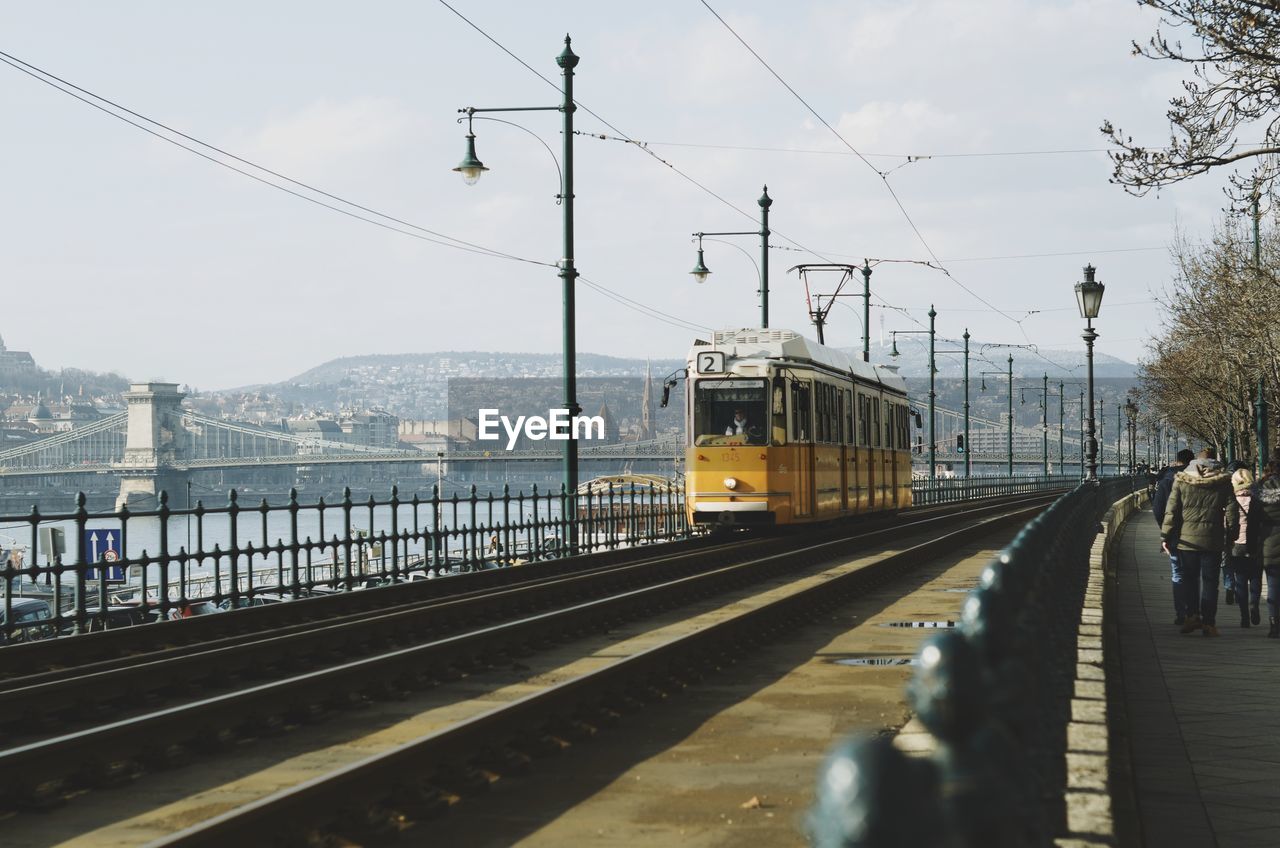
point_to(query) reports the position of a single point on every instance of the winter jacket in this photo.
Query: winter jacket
(1267, 495)
(1160, 497)
(1195, 518)
(1244, 524)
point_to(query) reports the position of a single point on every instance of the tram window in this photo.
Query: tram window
(801, 413)
(820, 409)
(843, 434)
(779, 411)
(729, 412)
(875, 421)
(864, 421)
(888, 424)
(848, 417)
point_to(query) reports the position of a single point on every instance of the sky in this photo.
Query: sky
(121, 252)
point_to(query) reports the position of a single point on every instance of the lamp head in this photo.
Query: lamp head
(700, 271)
(470, 167)
(1089, 294)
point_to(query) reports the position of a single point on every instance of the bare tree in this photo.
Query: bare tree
(1220, 336)
(1233, 50)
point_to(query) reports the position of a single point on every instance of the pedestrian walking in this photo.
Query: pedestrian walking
(1195, 526)
(1267, 495)
(1243, 546)
(1228, 564)
(1159, 501)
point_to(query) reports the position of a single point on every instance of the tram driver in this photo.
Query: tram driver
(738, 426)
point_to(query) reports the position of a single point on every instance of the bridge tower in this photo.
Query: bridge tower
(155, 443)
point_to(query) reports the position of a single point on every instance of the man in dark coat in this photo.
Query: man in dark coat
(1159, 499)
(1195, 525)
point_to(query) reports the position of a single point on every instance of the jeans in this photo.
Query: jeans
(1179, 602)
(1273, 590)
(1228, 573)
(1248, 571)
(1200, 583)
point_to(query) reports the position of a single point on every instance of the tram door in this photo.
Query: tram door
(802, 433)
(842, 437)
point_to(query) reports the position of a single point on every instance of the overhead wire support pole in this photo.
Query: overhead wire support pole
(700, 271)
(866, 315)
(471, 169)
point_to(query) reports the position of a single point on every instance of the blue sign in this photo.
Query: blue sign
(103, 546)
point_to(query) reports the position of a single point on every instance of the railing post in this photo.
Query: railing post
(163, 514)
(294, 578)
(395, 533)
(347, 582)
(81, 566)
(233, 513)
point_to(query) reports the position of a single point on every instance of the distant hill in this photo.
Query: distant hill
(67, 381)
(473, 364)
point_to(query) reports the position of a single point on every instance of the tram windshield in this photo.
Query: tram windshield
(729, 412)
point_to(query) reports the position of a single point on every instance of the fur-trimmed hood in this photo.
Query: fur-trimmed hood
(1204, 472)
(1269, 491)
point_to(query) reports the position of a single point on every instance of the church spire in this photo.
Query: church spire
(646, 405)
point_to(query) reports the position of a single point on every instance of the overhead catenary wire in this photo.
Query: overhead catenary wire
(884, 176)
(397, 225)
(107, 106)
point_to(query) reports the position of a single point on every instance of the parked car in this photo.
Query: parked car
(32, 620)
(252, 601)
(116, 617)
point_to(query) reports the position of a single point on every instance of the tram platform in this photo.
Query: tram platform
(1198, 726)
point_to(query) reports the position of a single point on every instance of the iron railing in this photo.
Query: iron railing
(169, 562)
(994, 694)
(925, 492)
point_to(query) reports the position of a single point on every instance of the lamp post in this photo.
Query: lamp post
(967, 463)
(1131, 412)
(1089, 298)
(1261, 406)
(1044, 420)
(1100, 423)
(933, 443)
(700, 270)
(471, 168)
(1008, 374)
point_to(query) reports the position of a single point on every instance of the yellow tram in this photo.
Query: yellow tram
(782, 430)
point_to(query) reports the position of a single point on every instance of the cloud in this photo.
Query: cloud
(327, 132)
(884, 126)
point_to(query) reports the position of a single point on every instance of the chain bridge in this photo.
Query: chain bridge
(154, 443)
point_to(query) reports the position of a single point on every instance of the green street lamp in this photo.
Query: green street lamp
(700, 270)
(1089, 299)
(471, 168)
(1131, 412)
(933, 371)
(1044, 419)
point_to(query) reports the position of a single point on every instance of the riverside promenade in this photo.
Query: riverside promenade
(1198, 714)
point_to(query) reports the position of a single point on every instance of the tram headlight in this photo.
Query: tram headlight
(730, 483)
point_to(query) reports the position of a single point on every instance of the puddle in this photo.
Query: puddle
(876, 660)
(926, 625)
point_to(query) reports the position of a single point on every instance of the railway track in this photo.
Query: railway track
(294, 674)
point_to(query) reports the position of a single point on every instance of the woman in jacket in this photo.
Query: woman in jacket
(1242, 546)
(1267, 529)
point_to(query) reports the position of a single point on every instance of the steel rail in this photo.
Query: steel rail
(139, 643)
(30, 704)
(396, 783)
(42, 766)
(34, 657)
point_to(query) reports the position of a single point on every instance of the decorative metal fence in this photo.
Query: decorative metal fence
(995, 695)
(925, 492)
(93, 568)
